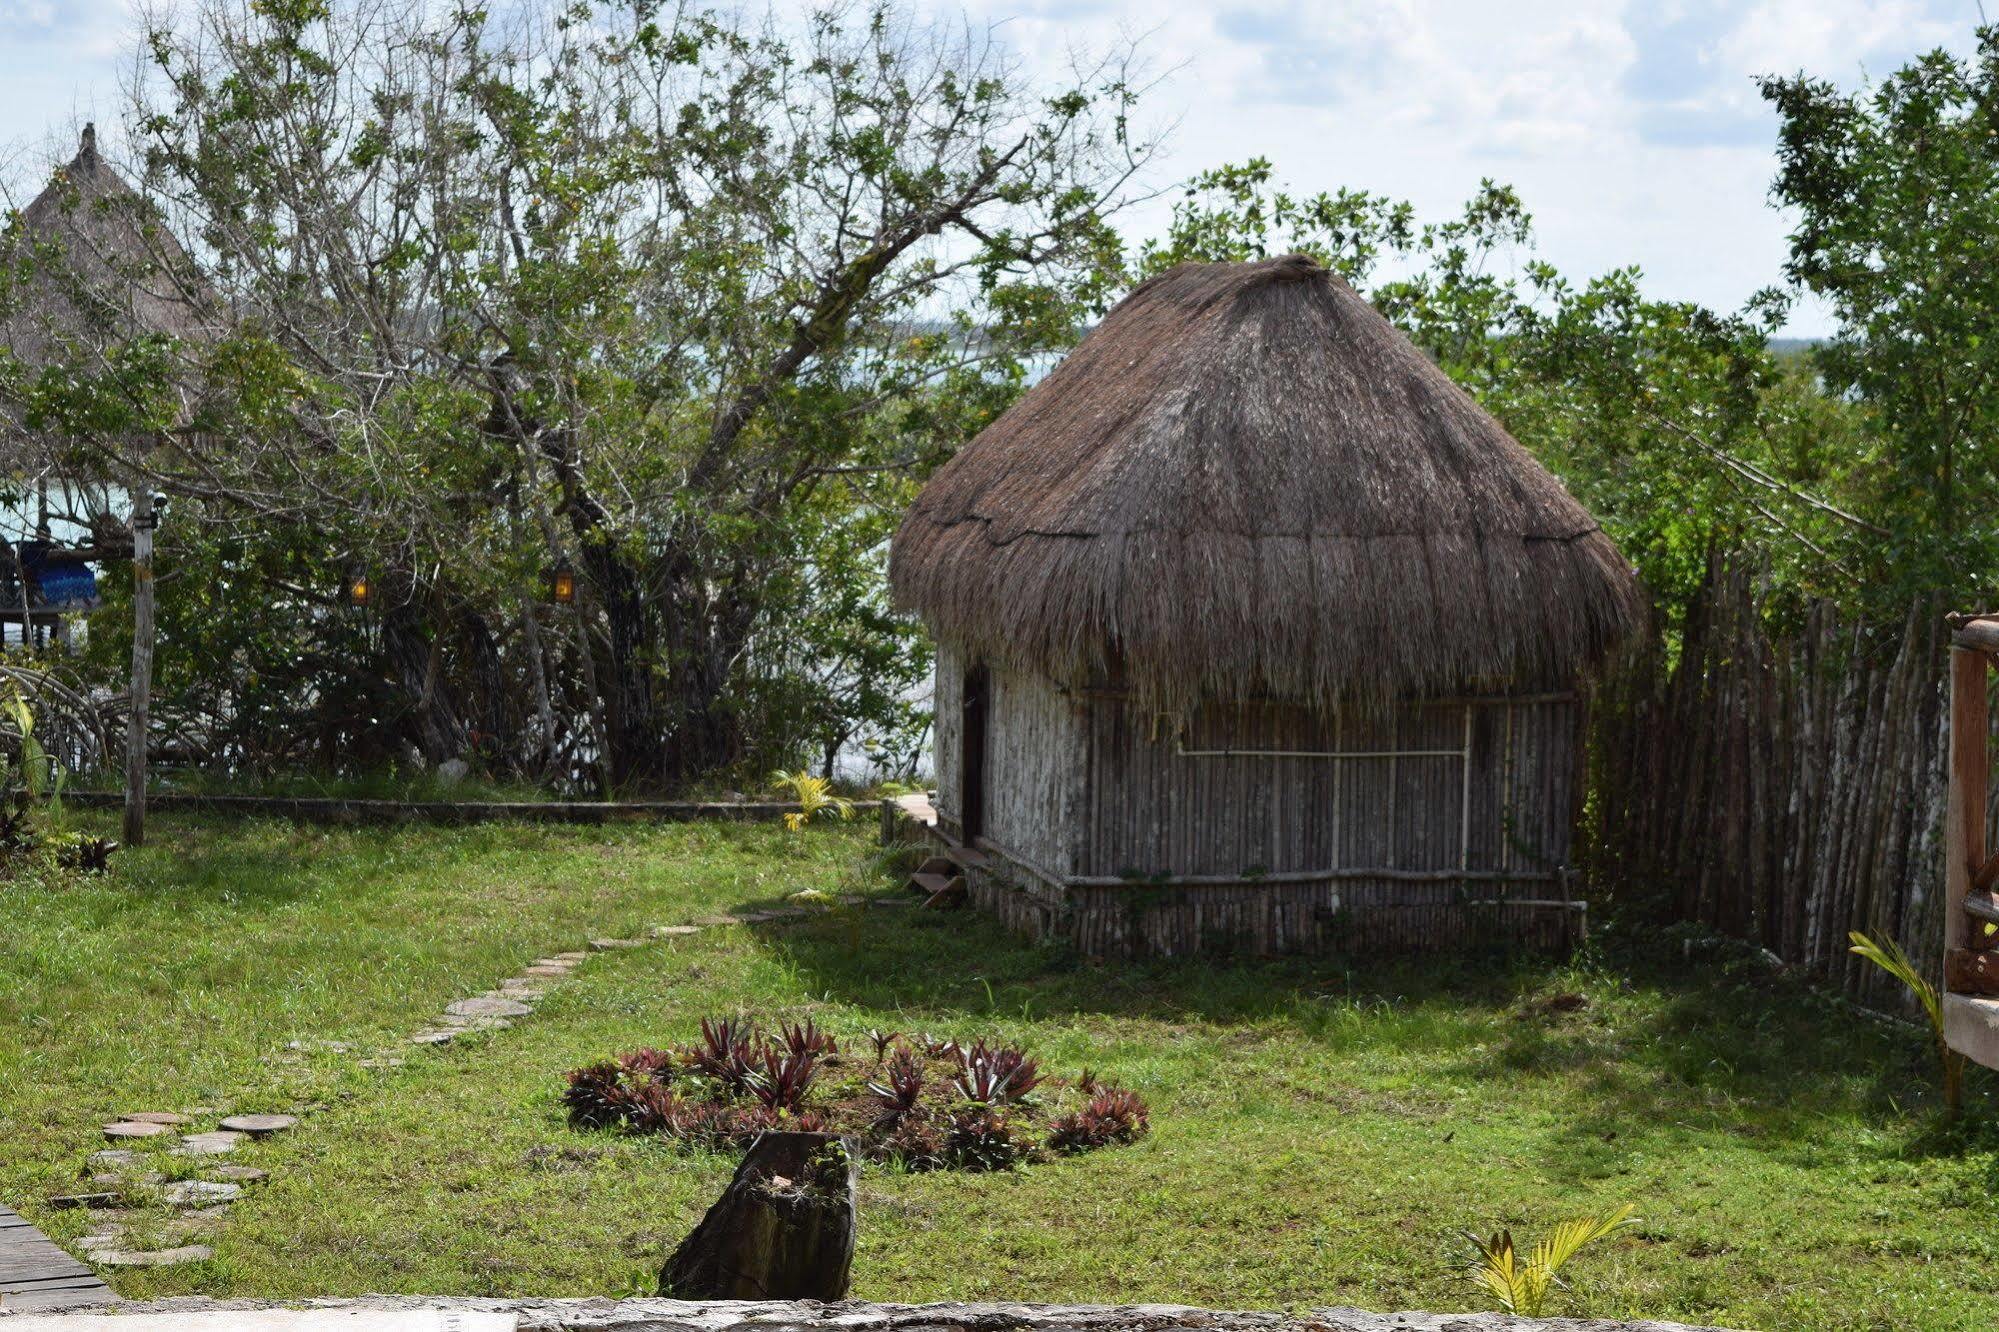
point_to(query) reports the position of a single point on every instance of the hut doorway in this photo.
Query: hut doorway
(975, 709)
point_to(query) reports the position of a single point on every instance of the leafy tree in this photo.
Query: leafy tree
(1896, 189)
(691, 301)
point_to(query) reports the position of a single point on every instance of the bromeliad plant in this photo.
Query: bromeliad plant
(814, 796)
(1521, 1285)
(927, 1103)
(1890, 958)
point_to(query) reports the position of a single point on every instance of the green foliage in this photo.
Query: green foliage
(814, 796)
(1521, 1285)
(1889, 956)
(1895, 188)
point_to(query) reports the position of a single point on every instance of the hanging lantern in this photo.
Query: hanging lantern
(357, 587)
(562, 584)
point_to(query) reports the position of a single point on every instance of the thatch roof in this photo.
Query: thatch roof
(100, 268)
(1246, 483)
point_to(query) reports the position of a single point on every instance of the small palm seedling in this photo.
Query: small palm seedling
(1890, 958)
(1521, 1286)
(814, 796)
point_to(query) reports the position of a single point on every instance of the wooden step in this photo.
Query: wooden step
(937, 890)
(943, 865)
(969, 857)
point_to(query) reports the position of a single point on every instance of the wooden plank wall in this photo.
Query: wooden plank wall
(1782, 788)
(948, 699)
(1033, 764)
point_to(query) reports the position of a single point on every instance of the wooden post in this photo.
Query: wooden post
(144, 520)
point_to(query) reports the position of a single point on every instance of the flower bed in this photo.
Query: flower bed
(926, 1103)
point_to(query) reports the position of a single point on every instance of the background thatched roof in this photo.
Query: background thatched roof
(100, 269)
(1245, 482)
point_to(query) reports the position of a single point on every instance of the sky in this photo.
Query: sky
(1631, 128)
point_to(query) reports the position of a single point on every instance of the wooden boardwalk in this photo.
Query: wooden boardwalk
(36, 1275)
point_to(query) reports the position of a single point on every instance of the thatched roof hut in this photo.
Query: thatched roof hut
(1246, 482)
(99, 269)
(1253, 627)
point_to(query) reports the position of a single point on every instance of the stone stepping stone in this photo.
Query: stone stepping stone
(609, 945)
(145, 1179)
(432, 1038)
(484, 1005)
(200, 1193)
(466, 1024)
(389, 1062)
(133, 1128)
(65, 1201)
(546, 972)
(260, 1126)
(571, 957)
(240, 1174)
(186, 1253)
(166, 1117)
(674, 931)
(113, 1158)
(219, 1143)
(717, 920)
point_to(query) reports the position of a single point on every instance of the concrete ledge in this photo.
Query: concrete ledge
(1971, 1027)
(655, 1315)
(333, 809)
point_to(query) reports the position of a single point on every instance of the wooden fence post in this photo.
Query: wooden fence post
(1964, 815)
(145, 518)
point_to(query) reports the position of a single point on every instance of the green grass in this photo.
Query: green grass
(1322, 1133)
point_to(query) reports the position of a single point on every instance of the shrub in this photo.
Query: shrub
(901, 1089)
(593, 1096)
(1114, 1116)
(981, 1137)
(928, 1103)
(995, 1075)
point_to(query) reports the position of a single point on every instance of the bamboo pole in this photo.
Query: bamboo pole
(145, 518)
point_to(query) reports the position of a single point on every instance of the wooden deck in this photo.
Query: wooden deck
(35, 1275)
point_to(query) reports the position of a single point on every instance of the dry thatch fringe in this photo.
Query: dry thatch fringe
(99, 258)
(1247, 483)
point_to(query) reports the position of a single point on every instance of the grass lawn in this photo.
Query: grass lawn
(1322, 1133)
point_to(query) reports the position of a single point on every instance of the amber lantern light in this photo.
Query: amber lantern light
(357, 586)
(562, 584)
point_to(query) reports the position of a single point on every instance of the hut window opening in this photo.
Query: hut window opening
(1176, 723)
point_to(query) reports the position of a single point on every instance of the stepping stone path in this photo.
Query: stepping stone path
(200, 1205)
(134, 1128)
(186, 1253)
(219, 1143)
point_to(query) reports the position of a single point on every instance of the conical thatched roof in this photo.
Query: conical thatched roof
(100, 268)
(1245, 482)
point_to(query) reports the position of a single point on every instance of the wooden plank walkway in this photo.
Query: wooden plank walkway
(36, 1275)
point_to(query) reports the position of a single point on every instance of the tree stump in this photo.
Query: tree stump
(782, 1230)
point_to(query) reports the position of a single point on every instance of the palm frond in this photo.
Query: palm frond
(1888, 956)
